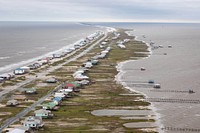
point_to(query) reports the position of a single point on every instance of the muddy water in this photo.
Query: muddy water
(177, 72)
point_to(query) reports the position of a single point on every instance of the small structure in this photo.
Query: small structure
(43, 113)
(88, 65)
(61, 94)
(51, 80)
(151, 82)
(57, 55)
(76, 84)
(169, 46)
(1, 80)
(191, 91)
(68, 90)
(84, 82)
(101, 56)
(121, 46)
(57, 100)
(33, 122)
(94, 62)
(81, 77)
(77, 46)
(103, 43)
(30, 91)
(21, 70)
(157, 86)
(49, 106)
(20, 97)
(142, 69)
(21, 129)
(12, 103)
(7, 76)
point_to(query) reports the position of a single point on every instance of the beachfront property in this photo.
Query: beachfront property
(21, 70)
(7, 76)
(43, 113)
(57, 55)
(12, 103)
(34, 66)
(33, 122)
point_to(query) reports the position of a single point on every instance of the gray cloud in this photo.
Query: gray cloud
(102, 10)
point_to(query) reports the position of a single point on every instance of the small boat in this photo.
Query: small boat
(142, 69)
(151, 82)
(191, 91)
(169, 46)
(157, 86)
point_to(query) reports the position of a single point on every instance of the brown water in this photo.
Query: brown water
(177, 72)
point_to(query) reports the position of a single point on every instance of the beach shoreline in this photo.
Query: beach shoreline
(105, 76)
(119, 79)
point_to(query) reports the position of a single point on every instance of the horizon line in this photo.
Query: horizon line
(101, 21)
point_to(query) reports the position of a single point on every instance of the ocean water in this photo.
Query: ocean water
(177, 72)
(23, 42)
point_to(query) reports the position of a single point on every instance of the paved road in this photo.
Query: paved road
(28, 109)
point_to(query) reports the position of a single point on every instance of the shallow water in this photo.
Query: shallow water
(177, 71)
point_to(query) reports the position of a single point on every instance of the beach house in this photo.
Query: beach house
(93, 61)
(30, 91)
(20, 71)
(12, 103)
(88, 65)
(84, 82)
(43, 113)
(49, 106)
(61, 94)
(51, 80)
(57, 100)
(7, 76)
(20, 97)
(33, 122)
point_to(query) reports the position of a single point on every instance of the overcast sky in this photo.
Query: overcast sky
(100, 10)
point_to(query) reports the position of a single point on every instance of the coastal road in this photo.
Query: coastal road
(28, 109)
(43, 74)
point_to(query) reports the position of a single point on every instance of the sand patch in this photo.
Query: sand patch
(112, 112)
(5, 113)
(140, 125)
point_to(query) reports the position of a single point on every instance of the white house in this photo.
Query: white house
(33, 122)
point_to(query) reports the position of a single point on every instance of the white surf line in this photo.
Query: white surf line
(40, 75)
(28, 109)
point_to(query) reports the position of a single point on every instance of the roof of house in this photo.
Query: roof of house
(50, 105)
(70, 85)
(42, 111)
(12, 101)
(30, 90)
(57, 99)
(51, 80)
